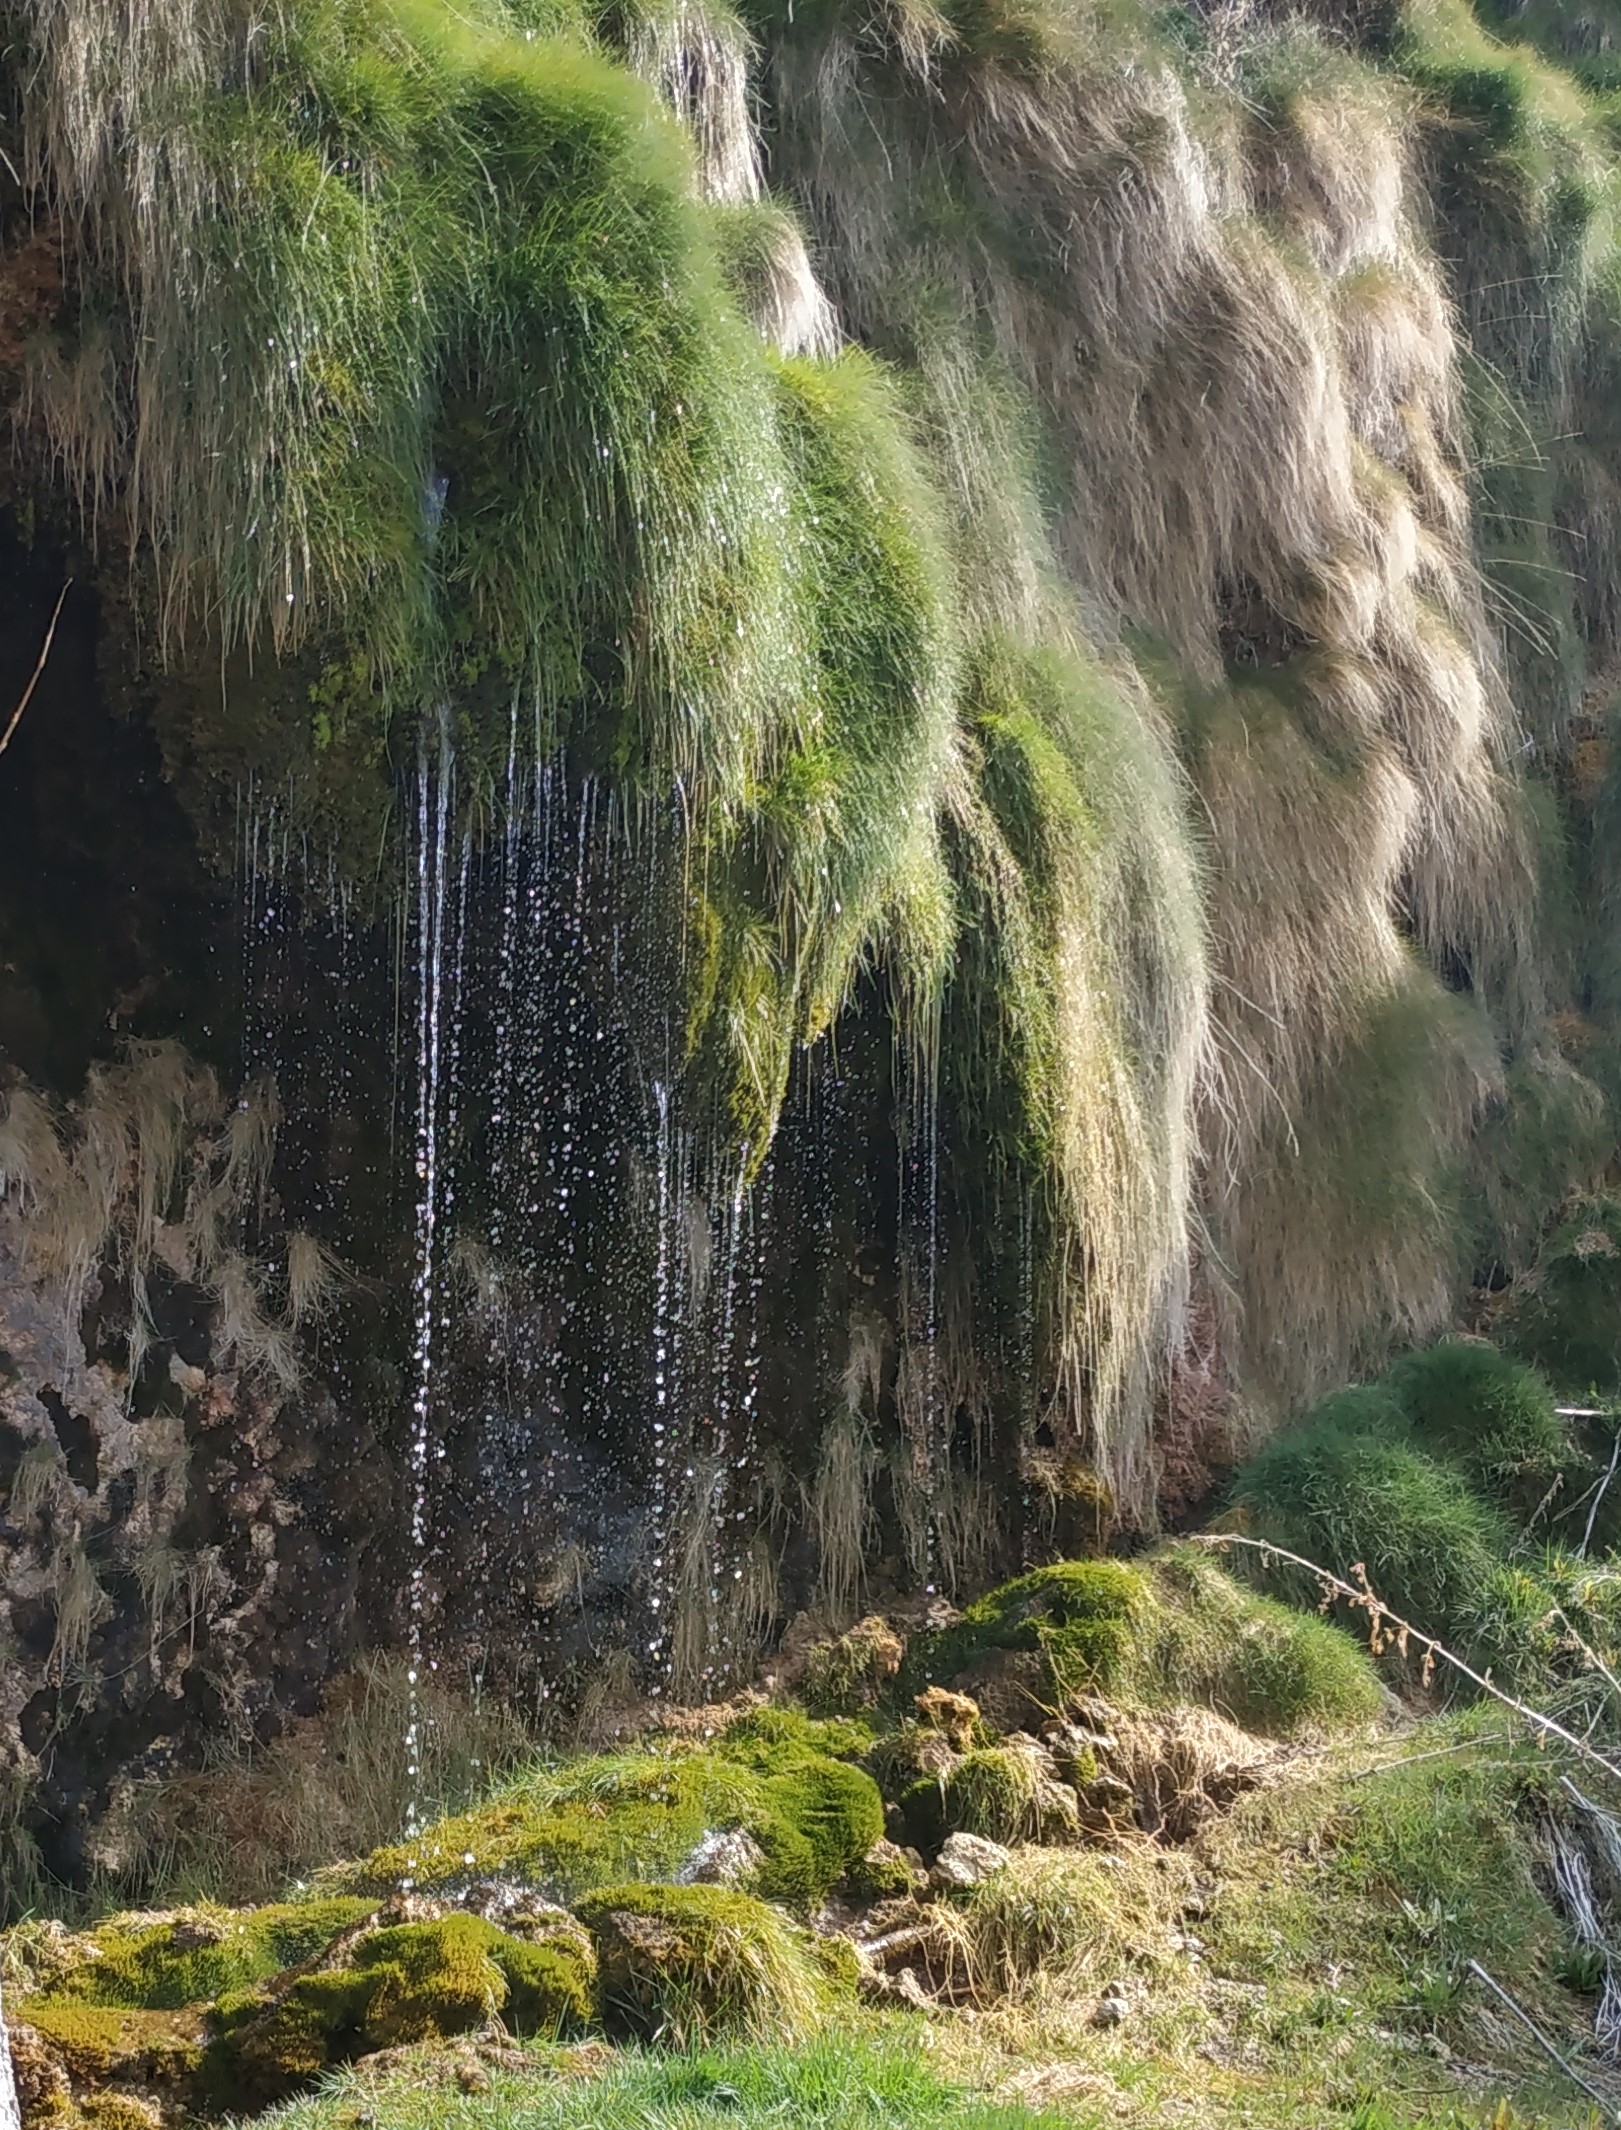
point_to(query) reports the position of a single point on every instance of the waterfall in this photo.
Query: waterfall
(438, 999)
(10, 2113)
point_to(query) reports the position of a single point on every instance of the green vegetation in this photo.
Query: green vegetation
(197, 1954)
(1565, 1315)
(692, 1964)
(852, 2082)
(408, 1983)
(1465, 1499)
(1473, 1407)
(1077, 1617)
(1175, 1628)
(601, 1819)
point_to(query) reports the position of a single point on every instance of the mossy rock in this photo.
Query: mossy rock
(411, 1982)
(688, 1965)
(1009, 1794)
(196, 1955)
(852, 1670)
(1077, 1618)
(614, 1818)
(885, 1873)
(97, 2045)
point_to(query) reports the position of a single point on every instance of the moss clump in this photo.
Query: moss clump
(593, 1821)
(199, 1954)
(1077, 1616)
(410, 1982)
(1489, 1415)
(852, 1670)
(821, 1815)
(95, 2043)
(883, 1874)
(692, 1964)
(1262, 1664)
(1008, 1793)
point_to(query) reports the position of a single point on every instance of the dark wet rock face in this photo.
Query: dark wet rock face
(161, 1541)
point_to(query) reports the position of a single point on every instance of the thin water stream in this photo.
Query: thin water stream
(10, 2113)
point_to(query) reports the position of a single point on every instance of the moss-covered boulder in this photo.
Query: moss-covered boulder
(186, 1956)
(1072, 1622)
(78, 2062)
(410, 1982)
(642, 1815)
(1171, 1627)
(691, 1964)
(1010, 1793)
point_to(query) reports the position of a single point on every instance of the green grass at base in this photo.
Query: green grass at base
(844, 2082)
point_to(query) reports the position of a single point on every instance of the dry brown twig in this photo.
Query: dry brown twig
(39, 667)
(1388, 1630)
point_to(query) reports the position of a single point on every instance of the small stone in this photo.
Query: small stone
(969, 1860)
(727, 1859)
(1112, 2010)
(911, 1991)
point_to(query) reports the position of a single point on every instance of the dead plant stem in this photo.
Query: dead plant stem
(39, 667)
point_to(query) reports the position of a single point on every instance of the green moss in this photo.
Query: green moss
(1004, 1794)
(771, 1738)
(690, 1964)
(1490, 1416)
(319, 2021)
(883, 1874)
(200, 1954)
(100, 2042)
(1079, 1616)
(588, 1822)
(408, 1983)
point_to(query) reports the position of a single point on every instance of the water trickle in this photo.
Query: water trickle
(663, 1375)
(10, 2112)
(438, 998)
(918, 1392)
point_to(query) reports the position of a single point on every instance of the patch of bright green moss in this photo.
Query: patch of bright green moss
(692, 1964)
(200, 1954)
(97, 2042)
(1078, 1616)
(410, 1982)
(593, 1821)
